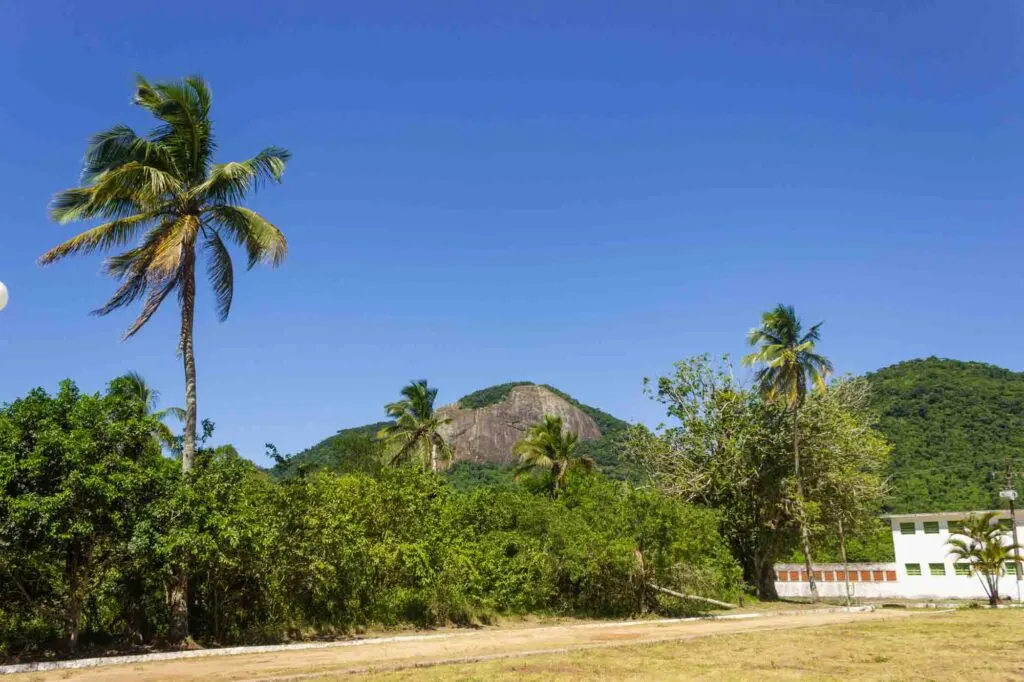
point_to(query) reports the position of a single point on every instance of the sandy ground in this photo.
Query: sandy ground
(310, 664)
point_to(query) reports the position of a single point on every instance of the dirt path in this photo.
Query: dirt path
(402, 652)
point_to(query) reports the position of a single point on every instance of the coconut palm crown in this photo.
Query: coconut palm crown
(415, 428)
(788, 362)
(547, 446)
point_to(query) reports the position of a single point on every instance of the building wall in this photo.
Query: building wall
(926, 550)
(867, 580)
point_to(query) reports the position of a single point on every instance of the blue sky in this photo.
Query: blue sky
(566, 192)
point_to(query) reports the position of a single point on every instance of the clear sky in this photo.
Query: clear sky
(576, 193)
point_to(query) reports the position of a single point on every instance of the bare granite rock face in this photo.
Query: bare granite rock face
(488, 434)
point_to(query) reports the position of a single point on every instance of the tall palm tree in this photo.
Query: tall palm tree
(164, 192)
(136, 387)
(415, 429)
(788, 364)
(549, 447)
(982, 546)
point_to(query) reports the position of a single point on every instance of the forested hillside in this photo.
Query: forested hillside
(952, 424)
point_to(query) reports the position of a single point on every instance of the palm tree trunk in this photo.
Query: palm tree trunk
(188, 302)
(178, 589)
(433, 456)
(805, 539)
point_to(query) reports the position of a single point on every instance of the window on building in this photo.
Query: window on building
(1005, 524)
(937, 569)
(956, 527)
(931, 527)
(1011, 568)
(913, 569)
(962, 569)
(907, 528)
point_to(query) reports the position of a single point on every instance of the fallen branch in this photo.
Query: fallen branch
(680, 595)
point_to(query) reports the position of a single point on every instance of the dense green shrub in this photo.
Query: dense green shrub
(314, 554)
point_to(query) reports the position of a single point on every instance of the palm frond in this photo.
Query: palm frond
(176, 412)
(120, 145)
(105, 236)
(157, 294)
(262, 241)
(230, 183)
(220, 272)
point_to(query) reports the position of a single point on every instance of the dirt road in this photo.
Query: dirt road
(416, 651)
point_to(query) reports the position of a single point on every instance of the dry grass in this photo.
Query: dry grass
(963, 645)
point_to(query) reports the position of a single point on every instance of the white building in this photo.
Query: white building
(923, 568)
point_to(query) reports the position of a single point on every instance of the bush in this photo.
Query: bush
(319, 554)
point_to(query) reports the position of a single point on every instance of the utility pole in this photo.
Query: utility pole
(1010, 494)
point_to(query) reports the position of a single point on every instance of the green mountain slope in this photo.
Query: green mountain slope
(952, 425)
(355, 449)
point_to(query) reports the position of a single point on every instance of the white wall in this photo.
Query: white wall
(926, 548)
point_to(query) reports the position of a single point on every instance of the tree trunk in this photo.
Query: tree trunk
(433, 457)
(177, 597)
(74, 611)
(846, 564)
(188, 303)
(805, 539)
(765, 567)
(178, 591)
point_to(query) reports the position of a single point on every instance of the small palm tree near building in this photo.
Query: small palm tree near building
(415, 430)
(548, 447)
(981, 542)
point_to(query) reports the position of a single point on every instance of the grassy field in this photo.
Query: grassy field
(974, 644)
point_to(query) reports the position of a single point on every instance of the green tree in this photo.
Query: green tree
(136, 387)
(548, 447)
(982, 544)
(74, 471)
(729, 450)
(788, 364)
(166, 187)
(415, 429)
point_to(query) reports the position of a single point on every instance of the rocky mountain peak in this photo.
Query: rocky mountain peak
(488, 434)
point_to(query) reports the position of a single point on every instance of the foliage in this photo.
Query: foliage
(415, 429)
(355, 450)
(137, 388)
(981, 543)
(309, 555)
(549, 448)
(952, 424)
(492, 395)
(730, 451)
(467, 475)
(76, 475)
